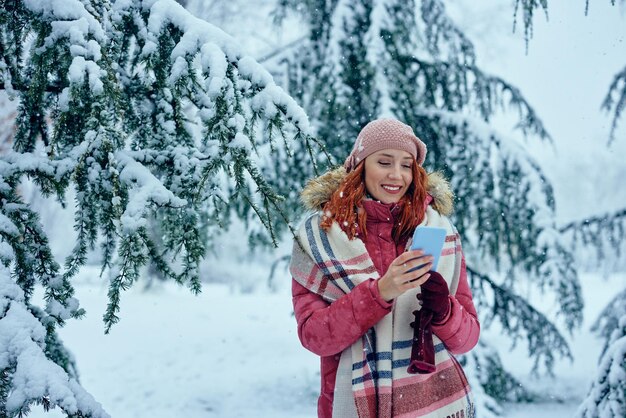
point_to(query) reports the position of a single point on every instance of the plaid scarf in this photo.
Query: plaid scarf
(372, 381)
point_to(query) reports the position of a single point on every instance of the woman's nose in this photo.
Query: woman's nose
(395, 172)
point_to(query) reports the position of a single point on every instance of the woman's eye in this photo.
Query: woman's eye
(406, 166)
(384, 163)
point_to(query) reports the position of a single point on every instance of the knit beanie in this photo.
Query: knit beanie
(385, 134)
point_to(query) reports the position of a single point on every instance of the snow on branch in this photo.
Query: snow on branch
(217, 51)
(604, 233)
(144, 190)
(519, 319)
(439, 26)
(454, 86)
(607, 396)
(29, 374)
(608, 320)
(50, 175)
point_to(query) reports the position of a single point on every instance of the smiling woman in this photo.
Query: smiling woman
(384, 324)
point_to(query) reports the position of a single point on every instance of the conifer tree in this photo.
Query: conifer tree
(371, 58)
(606, 234)
(163, 129)
(603, 235)
(607, 396)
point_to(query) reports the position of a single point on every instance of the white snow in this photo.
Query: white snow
(7, 226)
(21, 345)
(225, 353)
(67, 10)
(241, 141)
(145, 189)
(214, 59)
(80, 67)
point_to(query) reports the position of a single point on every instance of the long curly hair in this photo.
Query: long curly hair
(345, 208)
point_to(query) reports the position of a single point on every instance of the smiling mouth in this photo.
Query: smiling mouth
(391, 188)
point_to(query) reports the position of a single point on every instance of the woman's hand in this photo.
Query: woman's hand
(435, 298)
(398, 279)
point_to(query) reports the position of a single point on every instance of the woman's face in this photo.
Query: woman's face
(388, 174)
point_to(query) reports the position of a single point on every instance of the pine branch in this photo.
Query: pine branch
(33, 261)
(606, 220)
(607, 395)
(608, 320)
(495, 380)
(133, 256)
(528, 9)
(452, 87)
(615, 101)
(440, 27)
(605, 233)
(519, 319)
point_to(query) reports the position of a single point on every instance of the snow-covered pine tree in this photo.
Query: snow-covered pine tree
(606, 233)
(370, 58)
(607, 396)
(153, 118)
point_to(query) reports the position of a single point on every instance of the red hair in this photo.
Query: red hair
(345, 208)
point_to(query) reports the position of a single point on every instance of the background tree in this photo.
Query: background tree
(603, 236)
(365, 59)
(152, 117)
(607, 396)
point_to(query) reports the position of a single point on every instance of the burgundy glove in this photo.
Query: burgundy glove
(422, 350)
(435, 298)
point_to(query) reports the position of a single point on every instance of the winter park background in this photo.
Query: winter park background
(232, 350)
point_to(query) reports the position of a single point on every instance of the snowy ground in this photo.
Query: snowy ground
(228, 354)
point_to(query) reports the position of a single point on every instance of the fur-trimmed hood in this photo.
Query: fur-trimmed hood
(318, 190)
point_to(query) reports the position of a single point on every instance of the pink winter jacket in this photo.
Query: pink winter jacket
(327, 329)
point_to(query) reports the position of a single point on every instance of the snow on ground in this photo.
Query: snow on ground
(174, 354)
(228, 354)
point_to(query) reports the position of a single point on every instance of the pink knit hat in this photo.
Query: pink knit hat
(385, 134)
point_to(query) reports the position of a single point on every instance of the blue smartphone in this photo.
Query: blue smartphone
(430, 240)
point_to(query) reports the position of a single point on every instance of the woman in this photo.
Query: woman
(356, 286)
